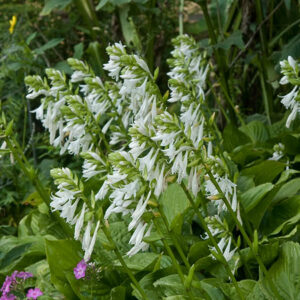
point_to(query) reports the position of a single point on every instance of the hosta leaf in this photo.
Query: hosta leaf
(253, 196)
(233, 137)
(285, 273)
(19, 253)
(198, 250)
(63, 256)
(265, 171)
(140, 261)
(170, 285)
(174, 203)
(120, 235)
(283, 215)
(256, 131)
(289, 189)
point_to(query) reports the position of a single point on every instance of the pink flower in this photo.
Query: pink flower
(79, 271)
(34, 293)
(8, 297)
(6, 285)
(24, 275)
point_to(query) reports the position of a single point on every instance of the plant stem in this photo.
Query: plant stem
(174, 239)
(122, 261)
(241, 228)
(175, 263)
(221, 62)
(32, 175)
(180, 17)
(150, 44)
(212, 239)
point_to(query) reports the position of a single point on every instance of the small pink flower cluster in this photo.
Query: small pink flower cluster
(80, 269)
(11, 282)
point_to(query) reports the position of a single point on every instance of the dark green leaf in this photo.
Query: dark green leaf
(253, 196)
(174, 203)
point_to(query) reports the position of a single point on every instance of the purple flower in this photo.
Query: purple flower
(24, 275)
(8, 297)
(79, 271)
(34, 293)
(6, 285)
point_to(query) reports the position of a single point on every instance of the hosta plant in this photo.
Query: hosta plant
(166, 206)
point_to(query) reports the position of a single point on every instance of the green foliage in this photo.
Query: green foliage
(243, 43)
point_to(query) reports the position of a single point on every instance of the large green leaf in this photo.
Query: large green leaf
(284, 273)
(282, 216)
(265, 171)
(289, 189)
(120, 235)
(54, 4)
(63, 256)
(145, 261)
(129, 29)
(19, 253)
(253, 196)
(170, 285)
(257, 132)
(233, 137)
(174, 203)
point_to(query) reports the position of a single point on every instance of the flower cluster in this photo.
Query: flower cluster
(148, 146)
(290, 70)
(70, 200)
(15, 283)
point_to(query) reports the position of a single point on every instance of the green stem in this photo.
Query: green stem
(150, 45)
(241, 228)
(175, 263)
(219, 102)
(180, 17)
(122, 261)
(212, 239)
(174, 239)
(221, 62)
(32, 175)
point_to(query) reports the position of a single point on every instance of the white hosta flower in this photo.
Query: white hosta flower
(289, 99)
(193, 182)
(292, 63)
(78, 76)
(290, 69)
(292, 116)
(39, 112)
(138, 212)
(79, 222)
(90, 168)
(147, 162)
(66, 202)
(102, 191)
(87, 236)
(136, 239)
(228, 188)
(179, 166)
(160, 184)
(226, 243)
(34, 94)
(278, 152)
(113, 66)
(136, 149)
(89, 250)
(166, 138)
